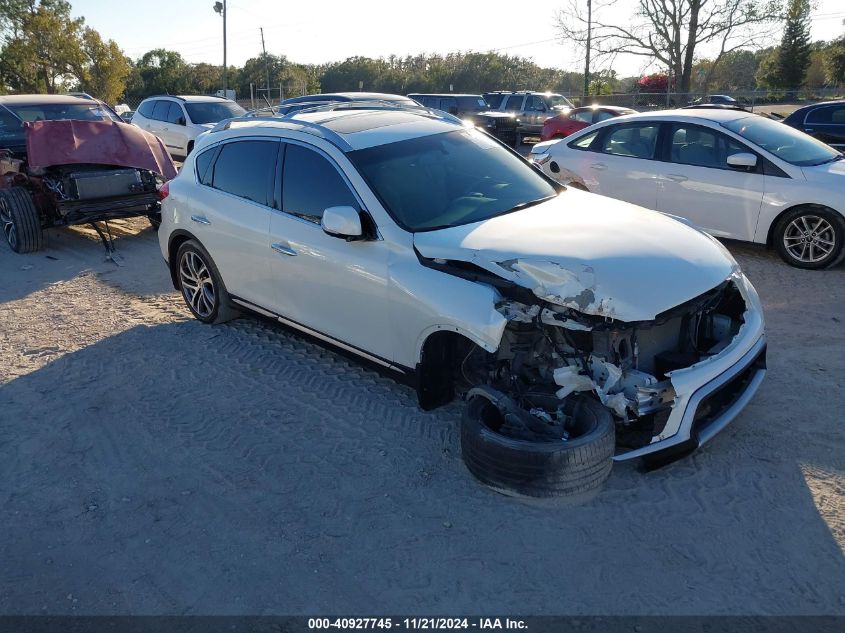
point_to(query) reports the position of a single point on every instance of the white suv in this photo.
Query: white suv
(178, 121)
(571, 323)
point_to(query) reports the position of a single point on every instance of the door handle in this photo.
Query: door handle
(200, 219)
(599, 166)
(677, 177)
(284, 249)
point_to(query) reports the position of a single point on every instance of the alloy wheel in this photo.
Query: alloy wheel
(8, 223)
(197, 284)
(809, 239)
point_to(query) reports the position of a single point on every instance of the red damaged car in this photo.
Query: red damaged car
(66, 160)
(576, 119)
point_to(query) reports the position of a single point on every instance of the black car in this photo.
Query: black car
(824, 121)
(475, 109)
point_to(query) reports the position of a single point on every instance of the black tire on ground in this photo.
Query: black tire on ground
(210, 303)
(799, 224)
(539, 469)
(155, 220)
(20, 221)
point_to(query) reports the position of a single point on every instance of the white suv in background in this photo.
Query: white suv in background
(427, 247)
(179, 120)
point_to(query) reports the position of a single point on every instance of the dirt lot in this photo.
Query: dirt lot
(154, 465)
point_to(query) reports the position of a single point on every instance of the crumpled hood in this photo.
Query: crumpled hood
(830, 173)
(591, 253)
(68, 142)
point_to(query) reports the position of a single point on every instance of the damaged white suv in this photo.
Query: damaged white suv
(580, 329)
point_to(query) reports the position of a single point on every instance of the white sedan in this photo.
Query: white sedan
(734, 174)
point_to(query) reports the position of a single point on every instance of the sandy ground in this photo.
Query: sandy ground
(154, 465)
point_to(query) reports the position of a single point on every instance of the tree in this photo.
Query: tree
(834, 62)
(105, 69)
(42, 49)
(670, 31)
(768, 71)
(163, 72)
(795, 48)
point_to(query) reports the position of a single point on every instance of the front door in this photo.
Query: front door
(335, 287)
(697, 183)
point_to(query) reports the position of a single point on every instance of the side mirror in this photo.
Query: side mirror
(743, 159)
(343, 222)
(453, 111)
(181, 121)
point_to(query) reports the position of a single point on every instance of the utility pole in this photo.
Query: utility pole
(589, 38)
(220, 7)
(266, 66)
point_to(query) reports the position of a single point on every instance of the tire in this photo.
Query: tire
(209, 302)
(190, 148)
(155, 220)
(810, 237)
(20, 221)
(539, 469)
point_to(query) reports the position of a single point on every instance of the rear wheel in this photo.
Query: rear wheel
(201, 285)
(20, 221)
(810, 237)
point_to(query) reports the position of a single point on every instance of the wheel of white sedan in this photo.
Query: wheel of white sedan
(810, 237)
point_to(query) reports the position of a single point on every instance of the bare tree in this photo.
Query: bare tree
(670, 31)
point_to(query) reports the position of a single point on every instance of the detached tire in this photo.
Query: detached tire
(539, 469)
(19, 220)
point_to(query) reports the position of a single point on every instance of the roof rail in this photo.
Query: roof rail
(290, 121)
(166, 95)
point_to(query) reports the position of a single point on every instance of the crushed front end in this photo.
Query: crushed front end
(671, 382)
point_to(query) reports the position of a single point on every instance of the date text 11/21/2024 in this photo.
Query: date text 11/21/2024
(421, 623)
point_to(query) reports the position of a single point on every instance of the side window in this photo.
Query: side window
(636, 141)
(311, 184)
(585, 116)
(203, 162)
(585, 141)
(820, 115)
(449, 104)
(535, 103)
(702, 147)
(245, 169)
(513, 103)
(430, 102)
(838, 116)
(161, 110)
(146, 108)
(602, 115)
(174, 114)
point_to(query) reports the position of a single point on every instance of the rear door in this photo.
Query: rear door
(828, 125)
(230, 214)
(335, 287)
(697, 183)
(620, 162)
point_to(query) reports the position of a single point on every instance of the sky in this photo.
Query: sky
(332, 30)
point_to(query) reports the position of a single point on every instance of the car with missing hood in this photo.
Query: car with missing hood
(579, 329)
(66, 160)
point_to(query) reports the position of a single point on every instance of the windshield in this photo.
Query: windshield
(449, 179)
(12, 117)
(213, 112)
(783, 141)
(559, 101)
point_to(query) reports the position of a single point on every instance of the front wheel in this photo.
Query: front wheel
(201, 285)
(810, 237)
(20, 221)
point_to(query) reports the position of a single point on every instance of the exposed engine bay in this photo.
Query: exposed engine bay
(549, 352)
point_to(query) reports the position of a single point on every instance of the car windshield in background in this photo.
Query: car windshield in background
(11, 129)
(213, 112)
(783, 141)
(449, 179)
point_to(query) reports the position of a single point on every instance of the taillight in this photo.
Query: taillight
(164, 191)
